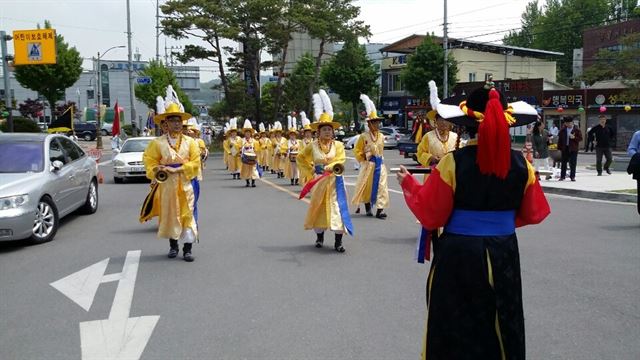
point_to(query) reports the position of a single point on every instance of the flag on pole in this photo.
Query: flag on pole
(64, 122)
(115, 131)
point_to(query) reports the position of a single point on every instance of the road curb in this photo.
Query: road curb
(597, 195)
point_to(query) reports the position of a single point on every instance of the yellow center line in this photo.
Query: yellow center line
(276, 186)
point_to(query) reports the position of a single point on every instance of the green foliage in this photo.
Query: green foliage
(52, 80)
(268, 102)
(161, 77)
(238, 103)
(350, 73)
(21, 124)
(298, 85)
(524, 36)
(426, 64)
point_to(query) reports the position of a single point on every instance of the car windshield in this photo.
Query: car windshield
(135, 145)
(386, 131)
(403, 131)
(21, 157)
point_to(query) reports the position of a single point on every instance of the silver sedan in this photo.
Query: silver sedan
(43, 178)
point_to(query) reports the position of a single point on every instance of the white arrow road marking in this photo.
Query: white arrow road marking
(119, 336)
(81, 286)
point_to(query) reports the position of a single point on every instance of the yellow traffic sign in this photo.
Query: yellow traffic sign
(34, 47)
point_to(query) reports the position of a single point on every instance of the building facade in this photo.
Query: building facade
(300, 44)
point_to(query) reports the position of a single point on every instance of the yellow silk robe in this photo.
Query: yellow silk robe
(251, 146)
(279, 151)
(270, 151)
(232, 147)
(324, 212)
(290, 167)
(305, 177)
(175, 196)
(366, 143)
(263, 153)
(431, 146)
(203, 150)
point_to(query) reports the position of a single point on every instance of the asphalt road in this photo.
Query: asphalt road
(260, 290)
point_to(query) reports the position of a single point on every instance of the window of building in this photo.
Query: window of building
(487, 76)
(472, 77)
(395, 84)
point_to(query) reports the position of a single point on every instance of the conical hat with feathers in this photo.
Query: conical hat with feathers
(323, 111)
(305, 121)
(370, 107)
(233, 125)
(169, 106)
(261, 128)
(247, 126)
(293, 125)
(277, 127)
(435, 101)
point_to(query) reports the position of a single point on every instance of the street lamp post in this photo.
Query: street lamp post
(99, 95)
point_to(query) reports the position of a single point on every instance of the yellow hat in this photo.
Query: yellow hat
(372, 114)
(233, 126)
(323, 111)
(172, 110)
(247, 126)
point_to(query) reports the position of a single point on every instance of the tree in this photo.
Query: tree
(238, 103)
(426, 64)
(622, 65)
(330, 21)
(161, 77)
(31, 108)
(524, 36)
(296, 86)
(206, 20)
(62, 108)
(52, 80)
(558, 27)
(350, 73)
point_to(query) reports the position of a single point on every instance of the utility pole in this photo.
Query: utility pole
(99, 100)
(445, 45)
(158, 30)
(132, 89)
(5, 74)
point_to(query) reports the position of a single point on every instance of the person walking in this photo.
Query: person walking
(634, 164)
(249, 155)
(177, 156)
(479, 194)
(540, 137)
(568, 143)
(232, 147)
(602, 136)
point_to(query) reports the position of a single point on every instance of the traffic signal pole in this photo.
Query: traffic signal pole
(5, 74)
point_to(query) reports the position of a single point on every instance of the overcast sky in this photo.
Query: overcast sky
(96, 25)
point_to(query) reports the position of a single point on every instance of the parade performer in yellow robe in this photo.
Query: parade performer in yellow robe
(371, 187)
(232, 148)
(249, 156)
(307, 139)
(191, 129)
(325, 157)
(174, 160)
(293, 149)
(225, 156)
(265, 144)
(270, 151)
(279, 146)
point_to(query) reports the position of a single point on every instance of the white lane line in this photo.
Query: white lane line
(276, 186)
(390, 190)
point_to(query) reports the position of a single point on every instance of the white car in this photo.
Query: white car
(127, 162)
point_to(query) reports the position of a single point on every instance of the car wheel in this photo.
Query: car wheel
(45, 224)
(118, 180)
(91, 204)
(86, 137)
(104, 132)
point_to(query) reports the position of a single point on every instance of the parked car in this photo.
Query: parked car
(43, 177)
(85, 130)
(350, 142)
(105, 129)
(127, 163)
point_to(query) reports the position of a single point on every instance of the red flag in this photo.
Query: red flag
(115, 131)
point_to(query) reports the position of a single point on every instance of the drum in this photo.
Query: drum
(249, 159)
(293, 156)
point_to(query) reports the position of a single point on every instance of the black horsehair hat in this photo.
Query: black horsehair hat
(468, 110)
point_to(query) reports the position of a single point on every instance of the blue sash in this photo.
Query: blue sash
(195, 184)
(377, 160)
(421, 245)
(341, 194)
(481, 223)
(318, 169)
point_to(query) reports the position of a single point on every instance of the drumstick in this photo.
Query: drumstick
(415, 170)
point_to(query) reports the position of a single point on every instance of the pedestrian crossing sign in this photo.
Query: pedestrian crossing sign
(34, 47)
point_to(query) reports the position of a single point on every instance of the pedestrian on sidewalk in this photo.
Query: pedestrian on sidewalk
(541, 142)
(479, 194)
(602, 135)
(568, 143)
(590, 139)
(634, 165)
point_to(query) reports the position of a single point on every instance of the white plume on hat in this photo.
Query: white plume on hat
(294, 123)
(369, 106)
(277, 126)
(317, 106)
(172, 97)
(289, 122)
(247, 124)
(304, 120)
(160, 108)
(433, 95)
(194, 122)
(326, 103)
(233, 124)
(261, 127)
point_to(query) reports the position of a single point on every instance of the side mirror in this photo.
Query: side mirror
(57, 165)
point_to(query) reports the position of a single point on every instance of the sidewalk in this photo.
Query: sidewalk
(589, 185)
